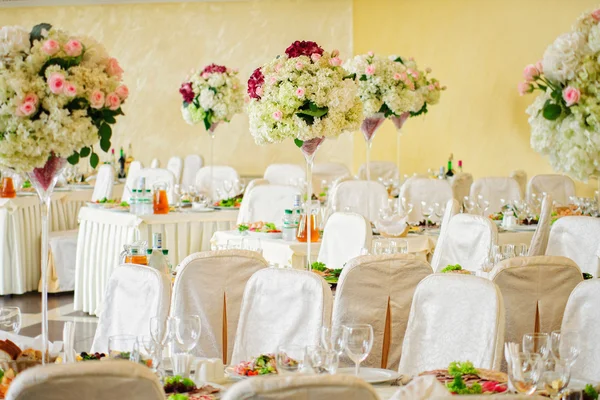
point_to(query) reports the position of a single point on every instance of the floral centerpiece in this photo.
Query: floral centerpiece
(59, 96)
(565, 116)
(304, 95)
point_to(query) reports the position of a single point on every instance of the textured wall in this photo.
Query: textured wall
(158, 44)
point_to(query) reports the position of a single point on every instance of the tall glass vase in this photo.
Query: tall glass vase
(44, 180)
(369, 127)
(211, 133)
(309, 149)
(399, 123)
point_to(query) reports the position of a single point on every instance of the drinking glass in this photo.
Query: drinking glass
(178, 194)
(378, 248)
(427, 211)
(234, 244)
(508, 251)
(123, 347)
(321, 360)
(187, 332)
(161, 201)
(399, 246)
(537, 343)
(565, 346)
(227, 187)
(358, 342)
(333, 339)
(555, 378)
(290, 359)
(439, 210)
(525, 372)
(520, 250)
(240, 184)
(148, 350)
(10, 319)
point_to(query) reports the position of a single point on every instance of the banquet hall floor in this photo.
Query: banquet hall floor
(60, 310)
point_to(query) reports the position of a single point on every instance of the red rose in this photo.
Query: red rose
(214, 68)
(256, 81)
(303, 48)
(187, 92)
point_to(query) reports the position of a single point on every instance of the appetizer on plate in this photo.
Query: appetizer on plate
(463, 378)
(179, 388)
(14, 360)
(330, 275)
(264, 364)
(234, 202)
(259, 227)
(457, 269)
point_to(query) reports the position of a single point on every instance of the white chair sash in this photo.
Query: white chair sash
(175, 165)
(561, 187)
(344, 236)
(494, 189)
(267, 203)
(461, 185)
(103, 188)
(452, 208)
(191, 165)
(416, 189)
(539, 241)
(285, 174)
(379, 169)
(362, 197)
(220, 174)
(577, 238)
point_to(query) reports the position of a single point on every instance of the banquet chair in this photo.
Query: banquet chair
(577, 238)
(362, 197)
(103, 188)
(327, 172)
(155, 163)
(131, 181)
(535, 292)
(416, 189)
(452, 209)
(191, 165)
(314, 387)
(152, 176)
(211, 284)
(344, 236)
(539, 241)
(582, 315)
(112, 379)
(281, 307)
(220, 174)
(468, 242)
(379, 169)
(334, 185)
(284, 174)
(494, 189)
(378, 290)
(561, 187)
(521, 177)
(253, 183)
(453, 317)
(175, 165)
(267, 203)
(461, 185)
(132, 296)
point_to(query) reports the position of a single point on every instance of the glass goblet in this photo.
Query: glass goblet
(10, 319)
(525, 372)
(358, 342)
(537, 343)
(187, 332)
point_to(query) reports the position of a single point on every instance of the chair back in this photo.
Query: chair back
(345, 234)
(452, 208)
(363, 197)
(253, 183)
(284, 174)
(175, 165)
(379, 169)
(220, 173)
(521, 177)
(561, 187)
(191, 165)
(130, 183)
(155, 163)
(461, 185)
(416, 189)
(103, 188)
(539, 241)
(328, 172)
(494, 189)
(577, 238)
(267, 203)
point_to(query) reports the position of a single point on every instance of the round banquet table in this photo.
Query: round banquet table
(103, 233)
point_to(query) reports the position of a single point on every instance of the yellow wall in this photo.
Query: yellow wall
(478, 48)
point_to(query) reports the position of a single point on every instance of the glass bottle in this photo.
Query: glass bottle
(290, 226)
(136, 253)
(129, 158)
(303, 226)
(450, 172)
(161, 202)
(8, 188)
(121, 173)
(156, 258)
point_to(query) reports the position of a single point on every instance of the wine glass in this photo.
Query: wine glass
(148, 350)
(565, 346)
(439, 210)
(290, 359)
(227, 187)
(358, 342)
(525, 372)
(333, 339)
(537, 343)
(10, 319)
(321, 360)
(187, 332)
(555, 378)
(426, 210)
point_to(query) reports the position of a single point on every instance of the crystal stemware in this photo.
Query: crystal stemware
(187, 332)
(290, 359)
(556, 377)
(566, 346)
(426, 210)
(525, 372)
(333, 339)
(537, 343)
(358, 342)
(10, 319)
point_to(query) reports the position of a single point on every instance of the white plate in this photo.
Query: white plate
(233, 376)
(372, 375)
(198, 210)
(91, 204)
(523, 228)
(225, 208)
(264, 235)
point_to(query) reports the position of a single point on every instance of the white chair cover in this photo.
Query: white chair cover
(380, 169)
(461, 185)
(468, 242)
(155, 163)
(175, 165)
(345, 234)
(279, 307)
(130, 183)
(211, 285)
(415, 190)
(582, 314)
(378, 290)
(103, 188)
(539, 241)
(302, 387)
(152, 175)
(494, 189)
(63, 251)
(452, 208)
(253, 183)
(579, 239)
(334, 185)
(535, 285)
(362, 197)
(220, 173)
(267, 203)
(521, 177)
(191, 165)
(561, 187)
(284, 174)
(133, 295)
(453, 317)
(327, 172)
(87, 380)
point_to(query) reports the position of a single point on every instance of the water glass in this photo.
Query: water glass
(10, 319)
(290, 359)
(537, 343)
(556, 378)
(378, 248)
(234, 244)
(520, 250)
(148, 351)
(332, 339)
(401, 246)
(321, 360)
(357, 342)
(565, 346)
(123, 347)
(525, 372)
(182, 364)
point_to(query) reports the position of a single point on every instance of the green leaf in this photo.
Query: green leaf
(423, 110)
(351, 76)
(74, 159)
(84, 152)
(542, 87)
(110, 119)
(105, 132)
(298, 142)
(551, 111)
(94, 160)
(78, 103)
(556, 95)
(386, 110)
(105, 144)
(36, 32)
(307, 118)
(208, 119)
(314, 111)
(399, 59)
(65, 63)
(363, 78)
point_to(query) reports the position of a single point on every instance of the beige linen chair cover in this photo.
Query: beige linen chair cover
(152, 175)
(495, 189)
(452, 208)
(191, 165)
(521, 177)
(284, 174)
(175, 165)
(327, 172)
(132, 179)
(378, 290)
(362, 197)
(579, 239)
(211, 285)
(461, 185)
(133, 295)
(561, 187)
(155, 163)
(302, 387)
(468, 241)
(582, 314)
(267, 203)
(220, 173)
(89, 380)
(416, 189)
(535, 289)
(539, 241)
(281, 307)
(379, 169)
(343, 238)
(103, 188)
(453, 317)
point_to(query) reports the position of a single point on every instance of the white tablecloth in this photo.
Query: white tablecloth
(102, 235)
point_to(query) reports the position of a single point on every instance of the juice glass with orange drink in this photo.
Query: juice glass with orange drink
(161, 201)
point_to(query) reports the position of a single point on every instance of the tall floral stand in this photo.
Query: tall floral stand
(399, 123)
(211, 133)
(309, 149)
(369, 127)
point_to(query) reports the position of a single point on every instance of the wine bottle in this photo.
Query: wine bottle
(121, 174)
(450, 172)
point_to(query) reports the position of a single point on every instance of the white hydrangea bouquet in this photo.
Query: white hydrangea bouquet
(565, 117)
(212, 96)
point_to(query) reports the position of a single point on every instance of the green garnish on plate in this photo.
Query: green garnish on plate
(330, 275)
(243, 228)
(178, 396)
(590, 392)
(458, 385)
(26, 185)
(450, 268)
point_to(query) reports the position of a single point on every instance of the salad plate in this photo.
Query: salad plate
(372, 375)
(230, 372)
(523, 228)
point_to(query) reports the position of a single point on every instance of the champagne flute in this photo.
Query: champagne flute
(358, 342)
(10, 319)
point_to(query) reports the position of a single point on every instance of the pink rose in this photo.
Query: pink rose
(397, 76)
(530, 73)
(73, 48)
(596, 15)
(370, 70)
(410, 84)
(113, 101)
(335, 61)
(315, 57)
(122, 91)
(97, 99)
(335, 53)
(70, 90)
(415, 74)
(26, 109)
(113, 68)
(279, 66)
(525, 87)
(277, 115)
(259, 91)
(31, 98)
(571, 95)
(205, 75)
(299, 66)
(50, 47)
(403, 76)
(370, 53)
(273, 80)
(300, 92)
(539, 66)
(56, 82)
(431, 88)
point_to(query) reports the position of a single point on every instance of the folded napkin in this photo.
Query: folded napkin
(393, 226)
(421, 388)
(26, 342)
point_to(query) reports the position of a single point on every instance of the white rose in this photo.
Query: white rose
(13, 39)
(562, 57)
